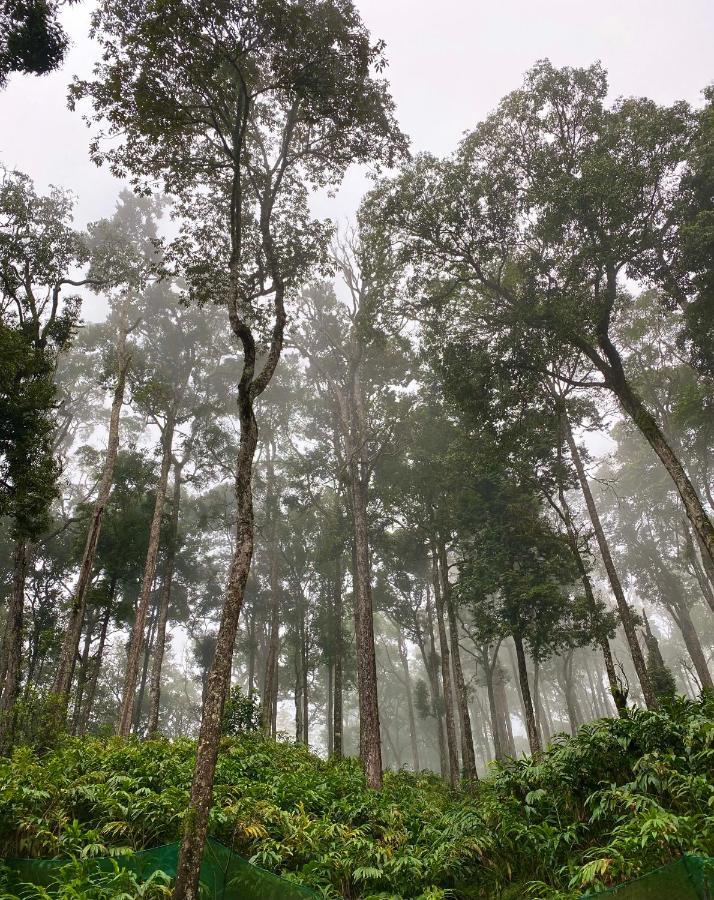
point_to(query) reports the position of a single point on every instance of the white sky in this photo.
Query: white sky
(450, 62)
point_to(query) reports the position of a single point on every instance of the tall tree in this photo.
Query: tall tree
(239, 109)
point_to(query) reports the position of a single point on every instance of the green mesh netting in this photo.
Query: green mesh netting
(690, 878)
(224, 874)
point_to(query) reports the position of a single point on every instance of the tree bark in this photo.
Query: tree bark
(410, 701)
(705, 585)
(82, 676)
(618, 382)
(136, 642)
(196, 818)
(96, 665)
(370, 740)
(68, 654)
(446, 677)
(270, 691)
(531, 728)
(617, 693)
(12, 644)
(622, 604)
(337, 747)
(496, 727)
(468, 755)
(164, 604)
(437, 705)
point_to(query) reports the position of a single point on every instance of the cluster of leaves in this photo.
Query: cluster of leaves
(624, 796)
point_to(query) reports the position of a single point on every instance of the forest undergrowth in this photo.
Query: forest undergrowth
(624, 796)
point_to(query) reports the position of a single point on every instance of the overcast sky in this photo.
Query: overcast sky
(450, 62)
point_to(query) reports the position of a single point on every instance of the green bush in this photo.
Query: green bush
(622, 797)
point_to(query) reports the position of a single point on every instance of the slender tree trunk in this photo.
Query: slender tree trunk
(96, 665)
(146, 655)
(82, 676)
(531, 729)
(164, 604)
(705, 585)
(496, 728)
(270, 696)
(329, 720)
(617, 693)
(196, 817)
(410, 701)
(12, 644)
(504, 714)
(446, 678)
(370, 750)
(571, 702)
(337, 748)
(251, 653)
(68, 654)
(622, 604)
(468, 755)
(693, 645)
(304, 652)
(541, 723)
(437, 706)
(299, 732)
(136, 642)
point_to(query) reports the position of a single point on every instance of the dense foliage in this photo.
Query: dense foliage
(622, 797)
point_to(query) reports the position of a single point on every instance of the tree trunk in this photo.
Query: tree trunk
(146, 655)
(337, 748)
(693, 645)
(496, 726)
(370, 748)
(68, 654)
(136, 642)
(164, 604)
(532, 730)
(298, 696)
(96, 666)
(12, 644)
(618, 382)
(571, 701)
(270, 699)
(705, 585)
(196, 817)
(507, 743)
(329, 713)
(82, 676)
(432, 668)
(541, 722)
(468, 756)
(617, 693)
(410, 701)
(446, 678)
(622, 604)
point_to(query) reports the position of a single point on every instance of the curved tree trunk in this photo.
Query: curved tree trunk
(164, 604)
(622, 604)
(705, 585)
(631, 402)
(68, 654)
(136, 642)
